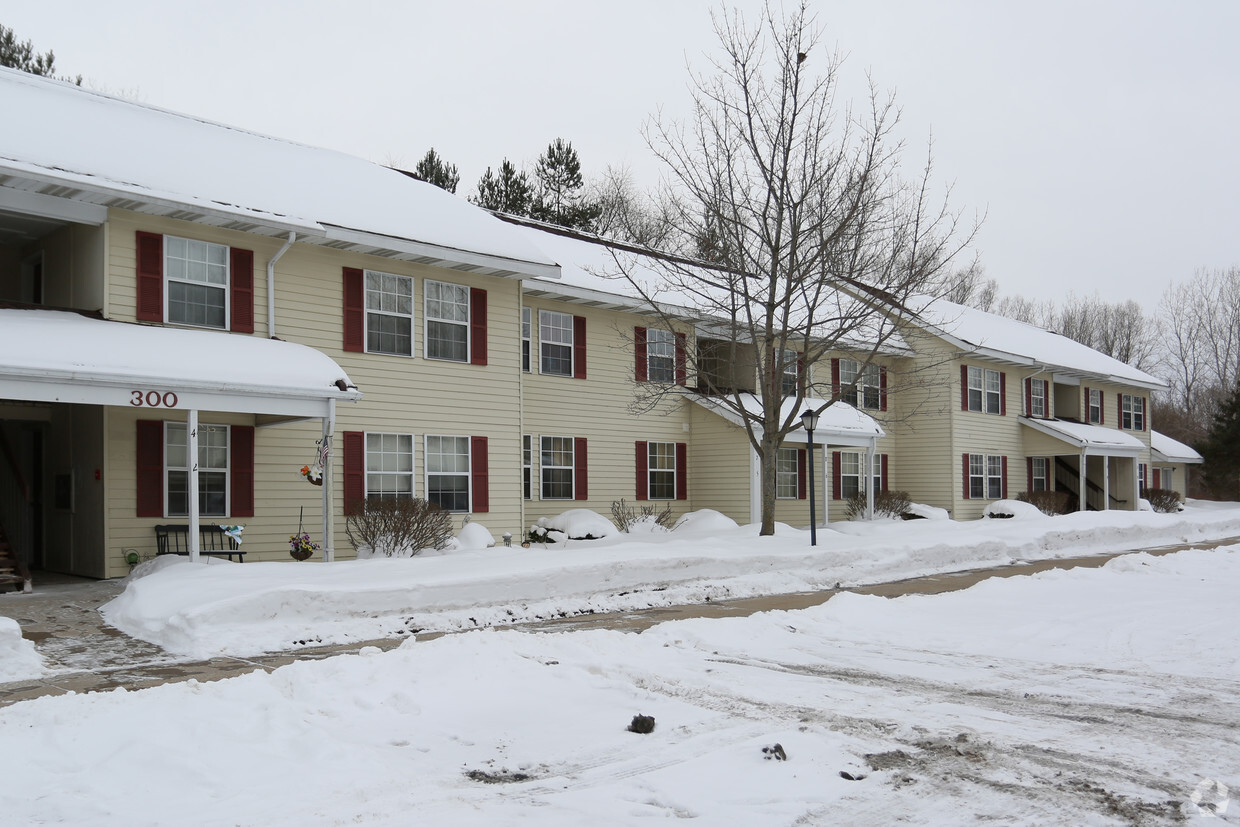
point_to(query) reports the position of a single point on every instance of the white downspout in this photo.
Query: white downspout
(869, 479)
(271, 285)
(1082, 480)
(329, 517)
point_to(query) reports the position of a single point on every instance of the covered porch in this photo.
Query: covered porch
(1098, 467)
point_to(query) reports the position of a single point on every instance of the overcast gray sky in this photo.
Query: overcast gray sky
(1099, 137)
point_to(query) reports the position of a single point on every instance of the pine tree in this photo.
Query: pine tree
(508, 192)
(560, 198)
(21, 55)
(435, 170)
(1221, 449)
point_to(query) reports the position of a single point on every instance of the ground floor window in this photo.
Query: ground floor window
(556, 467)
(389, 465)
(212, 470)
(985, 477)
(527, 467)
(447, 472)
(661, 470)
(1039, 479)
(849, 474)
(787, 474)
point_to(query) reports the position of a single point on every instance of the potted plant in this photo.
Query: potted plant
(301, 546)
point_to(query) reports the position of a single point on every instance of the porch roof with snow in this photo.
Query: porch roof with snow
(62, 356)
(1165, 449)
(76, 152)
(1017, 343)
(1093, 440)
(839, 424)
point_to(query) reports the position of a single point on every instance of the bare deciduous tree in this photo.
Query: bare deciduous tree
(812, 235)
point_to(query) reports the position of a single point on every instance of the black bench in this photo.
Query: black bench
(212, 540)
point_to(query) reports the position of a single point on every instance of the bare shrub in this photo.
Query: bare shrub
(1163, 500)
(395, 527)
(1052, 503)
(625, 515)
(889, 504)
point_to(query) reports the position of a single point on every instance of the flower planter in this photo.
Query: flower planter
(301, 554)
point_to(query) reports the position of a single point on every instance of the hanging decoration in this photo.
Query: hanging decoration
(314, 471)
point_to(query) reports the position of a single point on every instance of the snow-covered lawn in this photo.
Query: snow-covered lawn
(1091, 696)
(243, 609)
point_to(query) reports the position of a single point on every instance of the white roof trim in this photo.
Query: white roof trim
(1165, 449)
(1094, 440)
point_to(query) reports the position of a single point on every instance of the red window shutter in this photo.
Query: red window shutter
(354, 313)
(643, 468)
(883, 470)
(682, 372)
(1029, 470)
(477, 326)
(479, 462)
(964, 388)
(639, 348)
(150, 255)
(1003, 471)
(835, 378)
(354, 471)
(241, 471)
(150, 459)
(1002, 393)
(836, 486)
(241, 278)
(882, 388)
(802, 472)
(581, 471)
(682, 471)
(965, 470)
(579, 349)
(1028, 397)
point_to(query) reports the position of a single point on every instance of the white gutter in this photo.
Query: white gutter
(271, 285)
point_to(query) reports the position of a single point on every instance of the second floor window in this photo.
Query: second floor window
(447, 321)
(985, 390)
(526, 335)
(389, 313)
(660, 356)
(791, 372)
(1037, 397)
(197, 276)
(866, 393)
(1093, 406)
(555, 343)
(1132, 412)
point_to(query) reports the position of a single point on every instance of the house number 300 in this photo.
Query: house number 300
(153, 399)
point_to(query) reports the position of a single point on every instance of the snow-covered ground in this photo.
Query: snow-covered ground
(1090, 696)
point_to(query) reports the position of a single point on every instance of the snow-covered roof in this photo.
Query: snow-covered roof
(1166, 449)
(839, 424)
(1093, 439)
(68, 143)
(59, 356)
(1004, 339)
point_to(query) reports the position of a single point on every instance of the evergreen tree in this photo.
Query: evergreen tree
(1221, 449)
(560, 198)
(508, 192)
(21, 55)
(435, 170)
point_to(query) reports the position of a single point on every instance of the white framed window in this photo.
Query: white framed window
(791, 371)
(985, 390)
(661, 470)
(1039, 473)
(1132, 412)
(389, 465)
(555, 343)
(196, 274)
(556, 467)
(527, 467)
(447, 471)
(1093, 405)
(867, 391)
(985, 476)
(389, 314)
(1037, 398)
(212, 470)
(527, 323)
(1141, 478)
(851, 481)
(660, 356)
(787, 474)
(447, 320)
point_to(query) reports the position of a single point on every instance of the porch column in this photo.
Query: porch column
(1136, 485)
(329, 516)
(869, 481)
(1080, 485)
(1106, 483)
(191, 450)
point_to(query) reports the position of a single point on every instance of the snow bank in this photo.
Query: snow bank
(18, 659)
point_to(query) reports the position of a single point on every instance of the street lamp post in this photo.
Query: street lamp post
(809, 420)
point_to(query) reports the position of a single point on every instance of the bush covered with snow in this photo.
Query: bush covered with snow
(1013, 508)
(18, 658)
(707, 519)
(641, 519)
(1164, 501)
(574, 524)
(1051, 503)
(921, 511)
(473, 536)
(888, 505)
(399, 527)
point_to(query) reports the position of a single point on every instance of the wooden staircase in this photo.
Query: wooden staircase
(12, 570)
